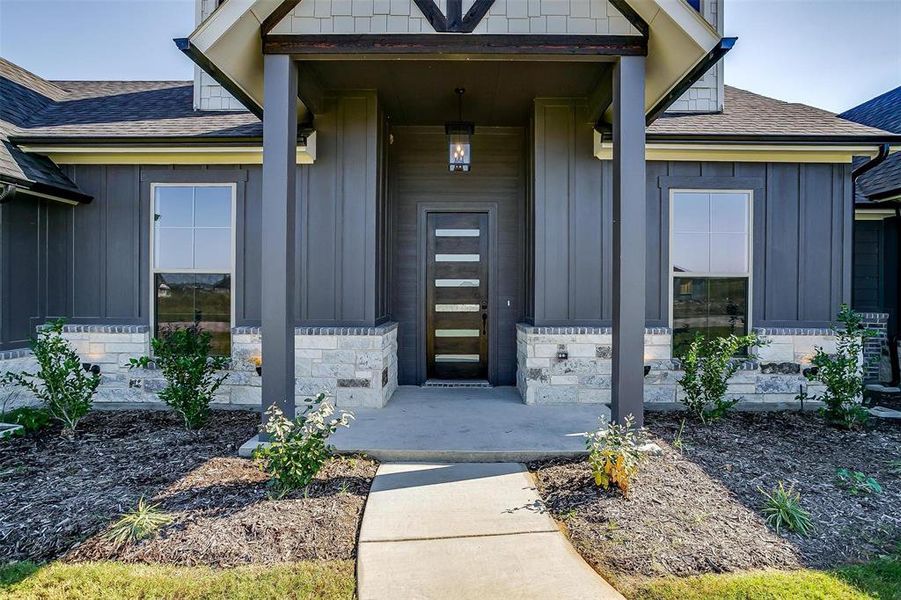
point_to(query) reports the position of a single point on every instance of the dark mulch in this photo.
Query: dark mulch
(57, 497)
(698, 511)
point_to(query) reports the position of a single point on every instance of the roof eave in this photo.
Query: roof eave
(47, 191)
(807, 139)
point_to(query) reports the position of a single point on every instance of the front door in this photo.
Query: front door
(457, 295)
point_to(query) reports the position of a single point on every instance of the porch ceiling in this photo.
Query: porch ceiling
(497, 93)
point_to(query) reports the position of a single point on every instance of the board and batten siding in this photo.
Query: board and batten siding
(801, 238)
(420, 180)
(91, 263)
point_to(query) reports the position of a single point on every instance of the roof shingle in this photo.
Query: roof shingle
(23, 96)
(883, 111)
(751, 115)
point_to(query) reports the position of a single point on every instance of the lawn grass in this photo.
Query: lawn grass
(878, 580)
(326, 580)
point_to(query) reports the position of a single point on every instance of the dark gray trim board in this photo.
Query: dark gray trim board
(279, 219)
(692, 77)
(629, 246)
(200, 59)
(359, 46)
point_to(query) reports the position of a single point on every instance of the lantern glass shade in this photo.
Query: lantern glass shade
(459, 141)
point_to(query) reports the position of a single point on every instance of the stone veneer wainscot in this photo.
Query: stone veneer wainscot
(357, 366)
(773, 376)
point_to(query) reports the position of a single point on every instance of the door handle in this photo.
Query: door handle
(484, 306)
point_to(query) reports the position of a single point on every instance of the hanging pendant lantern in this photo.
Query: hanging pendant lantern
(459, 139)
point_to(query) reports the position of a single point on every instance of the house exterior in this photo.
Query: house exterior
(877, 230)
(303, 200)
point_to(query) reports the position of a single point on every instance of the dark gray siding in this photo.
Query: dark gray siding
(95, 257)
(868, 271)
(22, 233)
(802, 234)
(419, 178)
(572, 224)
(802, 229)
(339, 216)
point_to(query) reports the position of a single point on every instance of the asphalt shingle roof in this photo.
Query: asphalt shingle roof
(883, 111)
(22, 95)
(93, 109)
(750, 114)
(96, 109)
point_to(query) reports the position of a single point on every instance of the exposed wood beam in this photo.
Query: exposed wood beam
(280, 12)
(475, 14)
(432, 14)
(633, 17)
(309, 89)
(302, 45)
(601, 97)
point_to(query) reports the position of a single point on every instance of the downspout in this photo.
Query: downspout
(895, 335)
(874, 162)
(7, 192)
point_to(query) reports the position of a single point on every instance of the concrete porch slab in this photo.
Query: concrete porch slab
(465, 425)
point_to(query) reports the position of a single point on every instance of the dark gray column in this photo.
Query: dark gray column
(629, 232)
(279, 173)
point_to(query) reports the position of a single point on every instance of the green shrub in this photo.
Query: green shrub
(707, 366)
(842, 373)
(61, 384)
(137, 524)
(783, 508)
(184, 357)
(857, 482)
(297, 449)
(31, 419)
(615, 455)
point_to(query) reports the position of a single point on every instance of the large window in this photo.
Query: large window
(192, 258)
(710, 253)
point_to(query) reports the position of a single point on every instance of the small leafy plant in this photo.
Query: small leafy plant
(191, 372)
(614, 454)
(298, 449)
(61, 384)
(782, 508)
(708, 364)
(138, 524)
(842, 373)
(30, 418)
(857, 482)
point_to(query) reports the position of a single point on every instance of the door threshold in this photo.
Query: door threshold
(456, 383)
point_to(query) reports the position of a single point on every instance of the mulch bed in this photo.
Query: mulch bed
(697, 511)
(57, 497)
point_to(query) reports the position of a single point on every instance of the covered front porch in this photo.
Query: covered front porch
(387, 235)
(457, 259)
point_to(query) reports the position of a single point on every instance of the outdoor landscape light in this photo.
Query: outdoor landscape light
(459, 139)
(88, 367)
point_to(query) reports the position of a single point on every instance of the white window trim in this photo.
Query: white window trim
(152, 252)
(749, 275)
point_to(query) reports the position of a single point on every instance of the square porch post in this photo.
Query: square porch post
(278, 219)
(629, 233)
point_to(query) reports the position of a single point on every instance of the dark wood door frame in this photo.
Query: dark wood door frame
(462, 206)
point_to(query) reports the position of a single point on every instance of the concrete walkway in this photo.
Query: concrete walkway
(465, 531)
(468, 425)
